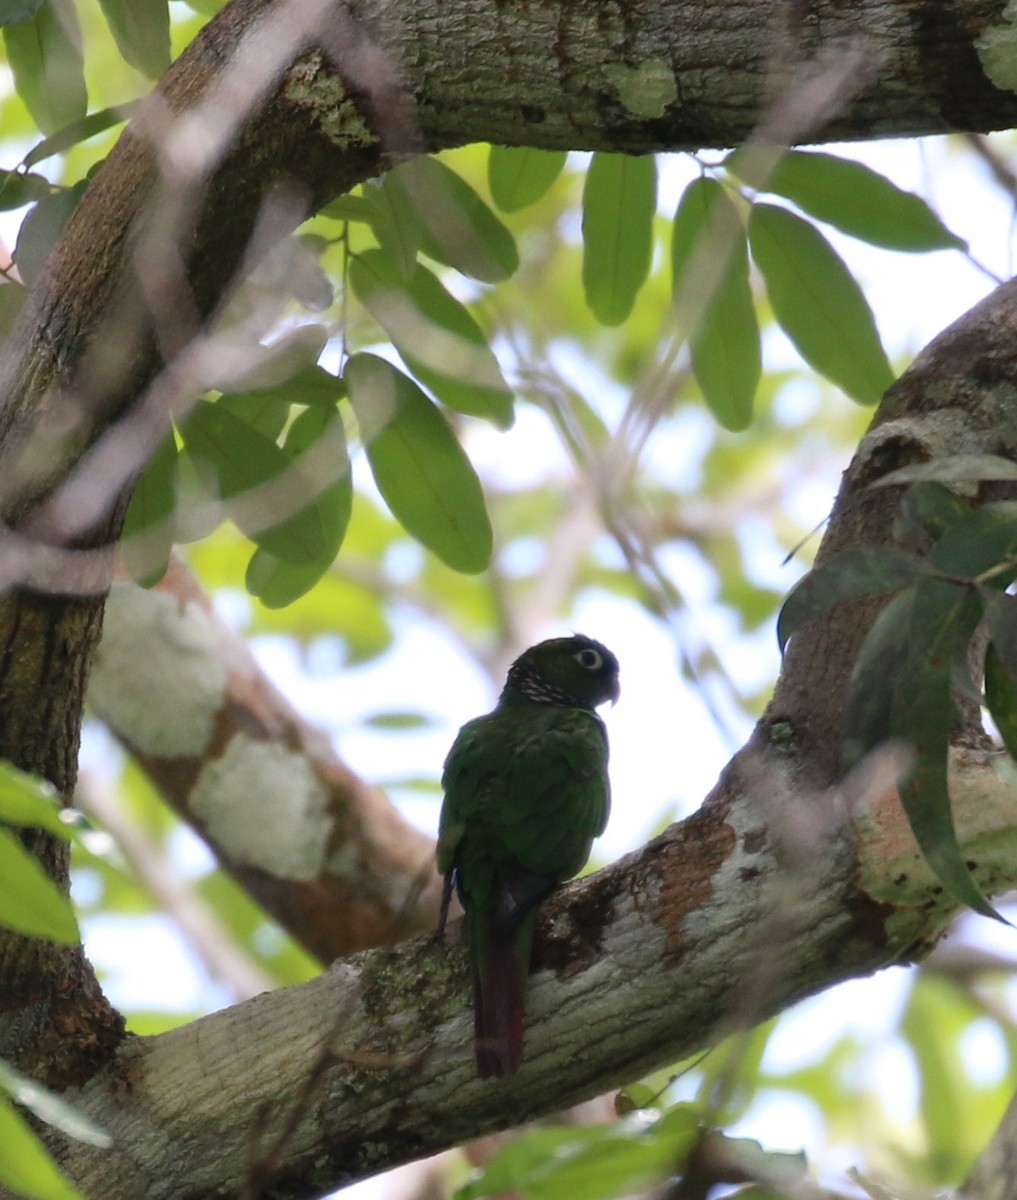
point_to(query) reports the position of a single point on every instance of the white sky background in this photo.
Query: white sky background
(666, 751)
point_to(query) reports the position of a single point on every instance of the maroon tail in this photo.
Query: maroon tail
(500, 953)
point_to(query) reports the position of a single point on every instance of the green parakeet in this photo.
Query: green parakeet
(526, 793)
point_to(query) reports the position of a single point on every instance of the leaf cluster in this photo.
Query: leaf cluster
(915, 668)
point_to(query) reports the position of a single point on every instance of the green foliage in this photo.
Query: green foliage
(858, 201)
(29, 900)
(914, 662)
(45, 56)
(724, 339)
(418, 465)
(437, 337)
(818, 302)
(141, 30)
(520, 175)
(619, 198)
(25, 1167)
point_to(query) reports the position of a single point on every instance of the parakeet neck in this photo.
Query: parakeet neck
(522, 687)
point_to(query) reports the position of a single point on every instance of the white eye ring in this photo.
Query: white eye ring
(591, 659)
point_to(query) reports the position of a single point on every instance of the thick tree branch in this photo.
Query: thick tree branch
(322, 852)
(777, 888)
(756, 901)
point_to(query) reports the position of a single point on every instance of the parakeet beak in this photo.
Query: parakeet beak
(615, 693)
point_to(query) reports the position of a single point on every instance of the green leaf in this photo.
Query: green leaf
(29, 801)
(520, 175)
(401, 721)
(141, 31)
(980, 542)
(44, 55)
(713, 296)
(1000, 611)
(255, 478)
(41, 228)
(456, 226)
(13, 11)
(928, 510)
(30, 902)
(958, 468)
(12, 297)
(441, 342)
(852, 573)
(1001, 699)
(396, 223)
(944, 616)
(51, 1108)
(79, 131)
(592, 1162)
(18, 188)
(868, 713)
(274, 581)
(818, 303)
(150, 526)
(619, 200)
(860, 202)
(419, 467)
(25, 1165)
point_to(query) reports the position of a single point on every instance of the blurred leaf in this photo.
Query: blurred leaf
(869, 705)
(277, 582)
(13, 11)
(983, 540)
(12, 297)
(78, 131)
(859, 201)
(456, 226)
(590, 1162)
(18, 188)
(520, 175)
(351, 206)
(928, 510)
(25, 1165)
(30, 801)
(30, 901)
(934, 1022)
(619, 200)
(253, 473)
(150, 526)
(141, 31)
(944, 616)
(441, 342)
(44, 55)
(846, 576)
(1001, 699)
(51, 1108)
(709, 238)
(818, 303)
(397, 225)
(399, 720)
(41, 228)
(1000, 610)
(958, 468)
(419, 467)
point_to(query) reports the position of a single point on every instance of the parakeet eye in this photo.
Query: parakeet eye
(592, 660)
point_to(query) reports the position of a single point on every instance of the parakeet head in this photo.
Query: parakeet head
(570, 671)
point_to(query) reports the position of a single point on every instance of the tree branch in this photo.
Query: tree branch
(320, 850)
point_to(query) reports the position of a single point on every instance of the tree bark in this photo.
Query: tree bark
(325, 854)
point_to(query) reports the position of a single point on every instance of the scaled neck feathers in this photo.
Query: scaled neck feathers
(523, 682)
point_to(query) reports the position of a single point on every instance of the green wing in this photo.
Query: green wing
(526, 790)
